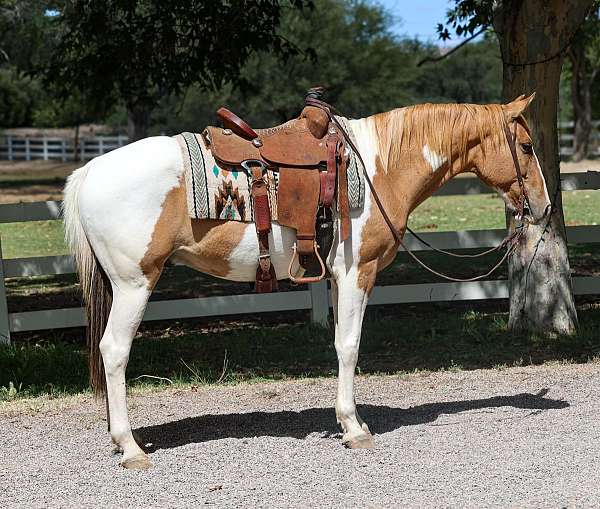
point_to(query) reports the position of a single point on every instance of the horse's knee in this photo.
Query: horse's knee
(347, 349)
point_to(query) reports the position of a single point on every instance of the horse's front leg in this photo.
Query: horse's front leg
(350, 293)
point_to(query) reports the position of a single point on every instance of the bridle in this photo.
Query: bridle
(510, 241)
(511, 139)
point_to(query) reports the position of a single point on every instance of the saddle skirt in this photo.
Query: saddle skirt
(218, 191)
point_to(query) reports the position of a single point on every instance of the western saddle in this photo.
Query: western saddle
(309, 154)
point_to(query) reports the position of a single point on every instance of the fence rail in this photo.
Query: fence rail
(55, 148)
(16, 147)
(566, 138)
(316, 298)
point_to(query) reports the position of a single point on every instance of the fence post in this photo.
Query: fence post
(27, 150)
(9, 142)
(4, 323)
(45, 148)
(63, 149)
(100, 145)
(319, 301)
(81, 148)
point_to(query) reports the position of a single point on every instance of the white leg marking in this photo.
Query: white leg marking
(349, 303)
(126, 313)
(434, 159)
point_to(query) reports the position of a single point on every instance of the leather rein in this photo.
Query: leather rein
(510, 240)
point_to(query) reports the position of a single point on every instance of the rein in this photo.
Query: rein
(510, 240)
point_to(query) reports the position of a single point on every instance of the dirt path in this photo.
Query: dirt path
(521, 437)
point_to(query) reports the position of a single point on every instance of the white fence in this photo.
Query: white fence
(316, 298)
(566, 138)
(13, 147)
(61, 149)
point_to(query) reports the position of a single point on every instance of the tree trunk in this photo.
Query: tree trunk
(138, 117)
(533, 36)
(581, 96)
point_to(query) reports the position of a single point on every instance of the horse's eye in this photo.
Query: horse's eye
(527, 148)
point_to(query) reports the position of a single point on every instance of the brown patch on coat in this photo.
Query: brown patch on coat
(204, 245)
(377, 245)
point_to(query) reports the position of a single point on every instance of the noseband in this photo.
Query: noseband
(510, 241)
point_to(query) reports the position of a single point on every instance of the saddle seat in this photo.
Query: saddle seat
(308, 154)
(291, 144)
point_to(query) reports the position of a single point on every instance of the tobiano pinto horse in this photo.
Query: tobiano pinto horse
(126, 214)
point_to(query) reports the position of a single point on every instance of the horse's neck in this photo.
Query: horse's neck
(404, 183)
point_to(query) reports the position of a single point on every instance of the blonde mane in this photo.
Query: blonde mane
(447, 129)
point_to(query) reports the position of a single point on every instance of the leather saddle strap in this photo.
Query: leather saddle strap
(266, 280)
(333, 142)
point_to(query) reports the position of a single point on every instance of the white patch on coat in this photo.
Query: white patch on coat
(537, 161)
(434, 159)
(120, 202)
(243, 260)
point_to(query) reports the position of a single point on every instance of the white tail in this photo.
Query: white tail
(74, 232)
(94, 283)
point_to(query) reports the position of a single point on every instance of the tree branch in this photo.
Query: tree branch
(453, 50)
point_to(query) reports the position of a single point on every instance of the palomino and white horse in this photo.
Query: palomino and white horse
(126, 215)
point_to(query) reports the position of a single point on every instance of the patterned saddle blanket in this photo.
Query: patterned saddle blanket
(215, 191)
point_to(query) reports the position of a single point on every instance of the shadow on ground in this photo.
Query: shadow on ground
(381, 419)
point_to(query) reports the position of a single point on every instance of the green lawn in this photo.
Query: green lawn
(444, 213)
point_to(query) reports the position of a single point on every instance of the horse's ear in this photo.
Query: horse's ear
(516, 108)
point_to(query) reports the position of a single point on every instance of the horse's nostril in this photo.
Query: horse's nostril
(547, 210)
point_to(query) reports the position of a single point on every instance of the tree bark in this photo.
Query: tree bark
(533, 37)
(581, 96)
(138, 117)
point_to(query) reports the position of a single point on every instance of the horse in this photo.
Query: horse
(125, 215)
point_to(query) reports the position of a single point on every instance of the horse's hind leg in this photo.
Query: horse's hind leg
(129, 303)
(349, 303)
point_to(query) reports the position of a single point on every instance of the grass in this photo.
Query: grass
(395, 340)
(440, 213)
(33, 238)
(486, 211)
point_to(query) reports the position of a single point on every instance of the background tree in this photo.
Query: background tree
(364, 65)
(471, 75)
(142, 50)
(26, 35)
(584, 57)
(534, 36)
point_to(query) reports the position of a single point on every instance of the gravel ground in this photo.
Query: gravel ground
(519, 437)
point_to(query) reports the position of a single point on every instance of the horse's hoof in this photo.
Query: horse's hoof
(139, 462)
(360, 442)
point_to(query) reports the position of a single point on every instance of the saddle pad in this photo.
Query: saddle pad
(215, 191)
(356, 177)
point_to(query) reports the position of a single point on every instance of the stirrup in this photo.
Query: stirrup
(310, 279)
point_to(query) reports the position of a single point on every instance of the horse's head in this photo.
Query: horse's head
(498, 168)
